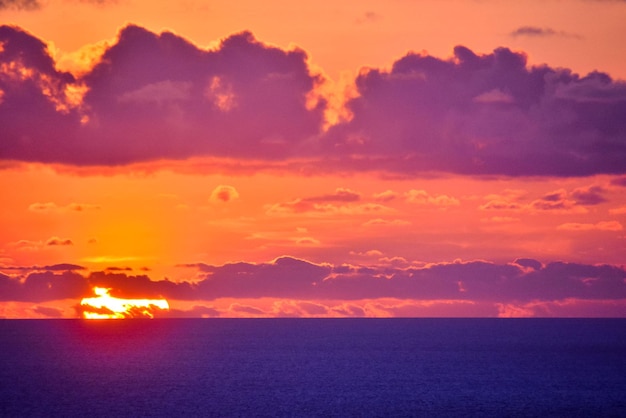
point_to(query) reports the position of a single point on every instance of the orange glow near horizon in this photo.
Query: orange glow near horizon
(105, 306)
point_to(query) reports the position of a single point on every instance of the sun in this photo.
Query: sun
(105, 306)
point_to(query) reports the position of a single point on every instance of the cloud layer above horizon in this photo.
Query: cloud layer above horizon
(524, 282)
(158, 96)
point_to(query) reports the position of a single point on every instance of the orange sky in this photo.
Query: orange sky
(344, 199)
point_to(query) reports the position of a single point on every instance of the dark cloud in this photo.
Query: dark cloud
(246, 310)
(63, 267)
(157, 96)
(340, 195)
(33, 113)
(592, 195)
(20, 4)
(53, 267)
(620, 181)
(534, 31)
(44, 286)
(525, 281)
(244, 99)
(483, 114)
(59, 242)
(369, 17)
(116, 269)
(48, 312)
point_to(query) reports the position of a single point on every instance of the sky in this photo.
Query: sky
(314, 159)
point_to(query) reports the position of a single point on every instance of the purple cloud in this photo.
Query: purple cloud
(523, 281)
(48, 312)
(592, 195)
(620, 181)
(158, 96)
(340, 195)
(534, 31)
(154, 96)
(43, 286)
(483, 114)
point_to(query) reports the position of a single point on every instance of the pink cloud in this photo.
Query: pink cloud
(557, 202)
(386, 196)
(599, 226)
(421, 197)
(224, 194)
(386, 222)
(618, 211)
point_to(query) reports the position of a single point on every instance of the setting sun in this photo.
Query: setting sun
(105, 306)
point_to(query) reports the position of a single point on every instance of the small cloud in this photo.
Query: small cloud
(224, 194)
(80, 207)
(159, 93)
(618, 211)
(386, 196)
(50, 207)
(99, 2)
(592, 195)
(386, 222)
(620, 181)
(537, 32)
(237, 308)
(307, 241)
(370, 253)
(56, 241)
(368, 17)
(529, 263)
(500, 219)
(556, 202)
(20, 4)
(340, 195)
(221, 94)
(48, 312)
(43, 207)
(494, 96)
(600, 226)
(421, 197)
(117, 269)
(500, 204)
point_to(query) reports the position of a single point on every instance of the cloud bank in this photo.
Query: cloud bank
(158, 96)
(524, 281)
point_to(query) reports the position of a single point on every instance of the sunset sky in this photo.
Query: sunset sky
(315, 158)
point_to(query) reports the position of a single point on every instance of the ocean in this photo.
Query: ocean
(313, 368)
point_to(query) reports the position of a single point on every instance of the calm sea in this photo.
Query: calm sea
(313, 367)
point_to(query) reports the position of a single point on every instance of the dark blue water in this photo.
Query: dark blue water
(313, 367)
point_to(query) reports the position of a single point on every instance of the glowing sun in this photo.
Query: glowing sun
(105, 306)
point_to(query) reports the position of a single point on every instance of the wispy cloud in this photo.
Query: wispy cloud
(538, 32)
(20, 4)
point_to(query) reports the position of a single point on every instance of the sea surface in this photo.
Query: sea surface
(313, 367)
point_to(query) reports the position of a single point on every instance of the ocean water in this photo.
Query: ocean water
(313, 367)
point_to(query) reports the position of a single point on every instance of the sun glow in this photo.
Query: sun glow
(105, 306)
